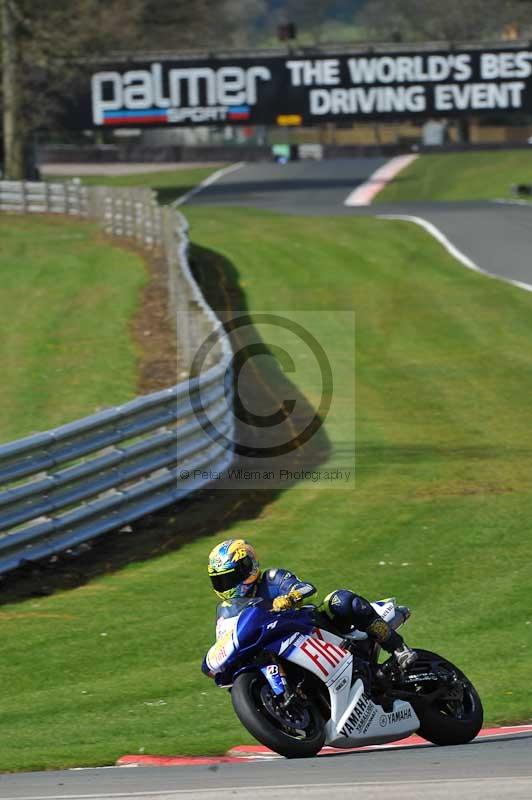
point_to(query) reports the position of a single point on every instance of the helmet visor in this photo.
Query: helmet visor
(222, 581)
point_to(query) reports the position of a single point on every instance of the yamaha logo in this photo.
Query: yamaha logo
(395, 716)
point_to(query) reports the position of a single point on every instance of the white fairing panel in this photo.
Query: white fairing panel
(364, 722)
(385, 609)
(225, 644)
(320, 653)
(225, 624)
(355, 718)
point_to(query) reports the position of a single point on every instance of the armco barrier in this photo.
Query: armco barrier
(65, 486)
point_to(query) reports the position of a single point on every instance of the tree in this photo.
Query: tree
(214, 24)
(42, 47)
(434, 20)
(240, 22)
(13, 148)
(308, 15)
(46, 47)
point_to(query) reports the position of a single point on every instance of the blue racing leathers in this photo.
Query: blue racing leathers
(280, 582)
(272, 584)
(345, 609)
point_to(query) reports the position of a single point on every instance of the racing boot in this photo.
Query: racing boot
(392, 642)
(405, 657)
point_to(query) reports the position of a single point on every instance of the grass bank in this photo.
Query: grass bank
(460, 176)
(67, 299)
(439, 516)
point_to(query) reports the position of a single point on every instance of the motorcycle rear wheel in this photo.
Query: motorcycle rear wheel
(253, 707)
(445, 722)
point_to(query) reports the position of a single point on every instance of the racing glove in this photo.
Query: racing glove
(286, 602)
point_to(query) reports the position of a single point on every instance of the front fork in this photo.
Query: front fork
(276, 677)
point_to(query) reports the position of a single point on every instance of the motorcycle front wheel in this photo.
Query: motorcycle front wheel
(294, 731)
(456, 716)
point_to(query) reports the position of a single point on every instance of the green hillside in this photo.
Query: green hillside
(439, 515)
(460, 176)
(66, 302)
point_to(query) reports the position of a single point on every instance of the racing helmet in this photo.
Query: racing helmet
(233, 568)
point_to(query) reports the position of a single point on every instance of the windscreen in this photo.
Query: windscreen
(232, 608)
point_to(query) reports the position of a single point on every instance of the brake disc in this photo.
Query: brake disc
(292, 716)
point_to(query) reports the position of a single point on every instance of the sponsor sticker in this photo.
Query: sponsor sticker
(341, 685)
(395, 716)
(325, 655)
(293, 641)
(361, 717)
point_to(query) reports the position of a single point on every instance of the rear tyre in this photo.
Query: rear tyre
(454, 718)
(295, 732)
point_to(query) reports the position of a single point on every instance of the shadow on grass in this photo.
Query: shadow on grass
(168, 194)
(218, 506)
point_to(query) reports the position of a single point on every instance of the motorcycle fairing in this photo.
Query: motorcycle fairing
(254, 630)
(365, 722)
(355, 718)
(222, 650)
(238, 633)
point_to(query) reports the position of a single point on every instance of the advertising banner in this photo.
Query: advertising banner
(298, 90)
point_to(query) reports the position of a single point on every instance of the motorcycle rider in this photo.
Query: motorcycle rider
(234, 572)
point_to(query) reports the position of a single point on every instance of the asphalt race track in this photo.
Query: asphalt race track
(487, 233)
(487, 769)
(301, 187)
(484, 231)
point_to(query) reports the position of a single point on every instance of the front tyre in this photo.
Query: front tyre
(456, 716)
(297, 731)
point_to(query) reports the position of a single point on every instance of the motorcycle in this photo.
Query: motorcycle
(297, 684)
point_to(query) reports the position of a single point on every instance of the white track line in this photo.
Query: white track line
(207, 182)
(303, 787)
(452, 249)
(364, 194)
